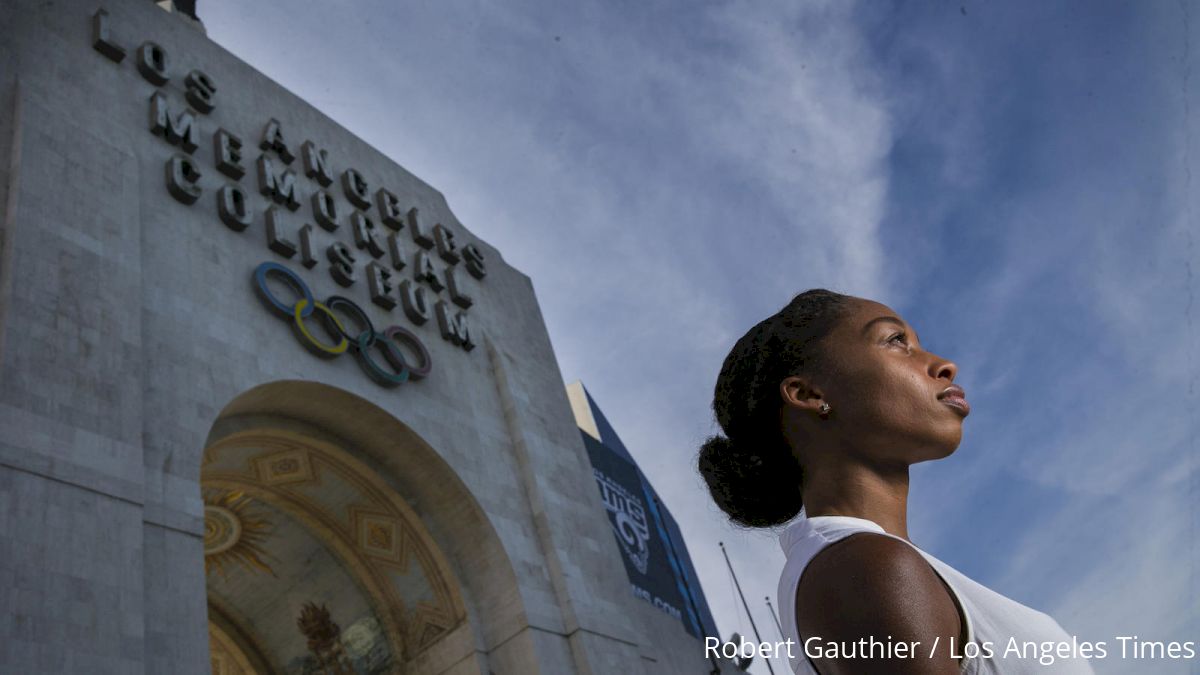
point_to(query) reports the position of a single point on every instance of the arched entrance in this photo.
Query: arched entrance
(315, 560)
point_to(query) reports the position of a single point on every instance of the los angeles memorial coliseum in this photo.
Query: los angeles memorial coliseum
(267, 406)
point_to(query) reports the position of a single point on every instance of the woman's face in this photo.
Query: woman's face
(889, 397)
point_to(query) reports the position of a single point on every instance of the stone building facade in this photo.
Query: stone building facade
(266, 405)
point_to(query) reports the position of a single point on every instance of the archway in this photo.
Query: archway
(317, 562)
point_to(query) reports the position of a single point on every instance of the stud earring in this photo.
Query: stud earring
(823, 410)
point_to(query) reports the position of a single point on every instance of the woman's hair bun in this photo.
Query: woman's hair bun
(755, 489)
(755, 478)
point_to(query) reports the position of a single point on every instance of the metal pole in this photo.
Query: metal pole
(775, 616)
(744, 603)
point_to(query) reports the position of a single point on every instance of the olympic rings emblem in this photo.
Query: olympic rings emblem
(337, 340)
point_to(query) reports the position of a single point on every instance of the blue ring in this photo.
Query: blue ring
(297, 284)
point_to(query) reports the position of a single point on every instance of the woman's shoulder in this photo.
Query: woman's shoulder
(875, 585)
(874, 571)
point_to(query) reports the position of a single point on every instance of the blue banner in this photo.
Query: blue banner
(656, 560)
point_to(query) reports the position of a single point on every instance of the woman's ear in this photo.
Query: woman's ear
(798, 393)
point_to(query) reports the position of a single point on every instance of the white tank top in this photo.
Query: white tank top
(990, 617)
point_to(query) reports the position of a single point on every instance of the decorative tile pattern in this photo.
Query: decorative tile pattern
(380, 536)
(384, 536)
(291, 466)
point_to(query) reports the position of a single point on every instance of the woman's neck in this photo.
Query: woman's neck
(847, 489)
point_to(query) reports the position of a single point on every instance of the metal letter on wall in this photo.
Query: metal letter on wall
(457, 296)
(232, 207)
(379, 279)
(473, 259)
(306, 247)
(272, 139)
(355, 187)
(454, 328)
(227, 149)
(365, 235)
(396, 252)
(412, 299)
(282, 188)
(316, 165)
(389, 209)
(101, 41)
(182, 179)
(419, 234)
(446, 246)
(201, 92)
(180, 131)
(152, 63)
(423, 271)
(325, 210)
(275, 239)
(341, 263)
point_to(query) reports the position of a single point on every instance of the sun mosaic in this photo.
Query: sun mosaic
(233, 533)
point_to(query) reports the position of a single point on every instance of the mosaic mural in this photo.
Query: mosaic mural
(286, 514)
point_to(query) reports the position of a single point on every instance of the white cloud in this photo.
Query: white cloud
(669, 178)
(664, 186)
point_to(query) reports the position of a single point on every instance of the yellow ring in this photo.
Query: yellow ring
(324, 349)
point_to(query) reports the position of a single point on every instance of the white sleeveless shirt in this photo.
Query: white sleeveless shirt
(991, 619)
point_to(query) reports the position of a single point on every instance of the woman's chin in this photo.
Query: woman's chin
(951, 447)
(943, 446)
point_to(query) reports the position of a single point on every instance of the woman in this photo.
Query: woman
(824, 407)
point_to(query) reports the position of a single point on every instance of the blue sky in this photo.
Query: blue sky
(1016, 179)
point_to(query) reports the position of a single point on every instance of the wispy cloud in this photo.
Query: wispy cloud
(1012, 178)
(666, 174)
(1067, 252)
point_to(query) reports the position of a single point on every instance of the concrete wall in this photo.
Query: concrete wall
(128, 322)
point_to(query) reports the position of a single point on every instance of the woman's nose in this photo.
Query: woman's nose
(943, 369)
